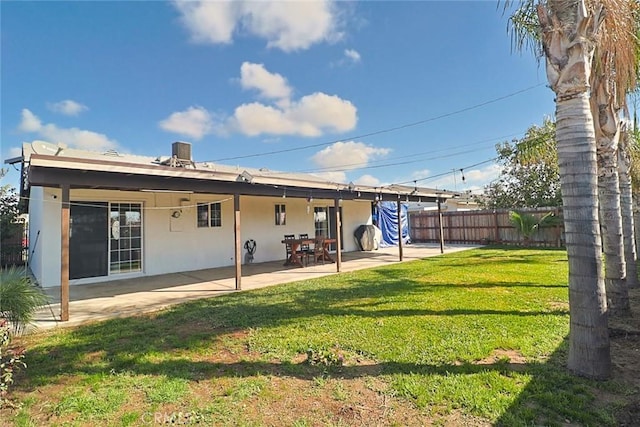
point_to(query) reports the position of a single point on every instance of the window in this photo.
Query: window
(321, 221)
(125, 231)
(281, 215)
(209, 215)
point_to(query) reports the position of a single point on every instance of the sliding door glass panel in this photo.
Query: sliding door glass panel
(125, 237)
(88, 240)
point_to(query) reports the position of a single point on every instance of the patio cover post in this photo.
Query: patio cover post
(399, 228)
(238, 244)
(64, 264)
(336, 203)
(440, 226)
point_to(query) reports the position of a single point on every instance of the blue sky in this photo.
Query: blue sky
(371, 92)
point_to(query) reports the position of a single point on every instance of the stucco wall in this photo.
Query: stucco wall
(354, 214)
(177, 244)
(45, 249)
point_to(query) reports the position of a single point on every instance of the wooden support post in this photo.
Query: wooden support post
(64, 261)
(336, 203)
(440, 226)
(399, 204)
(238, 242)
(495, 221)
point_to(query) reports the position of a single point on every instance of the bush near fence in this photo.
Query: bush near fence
(482, 227)
(13, 249)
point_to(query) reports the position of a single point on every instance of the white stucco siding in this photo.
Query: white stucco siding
(174, 244)
(45, 249)
(36, 218)
(178, 244)
(258, 223)
(354, 214)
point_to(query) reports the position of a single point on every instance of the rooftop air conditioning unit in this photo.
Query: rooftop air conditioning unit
(181, 151)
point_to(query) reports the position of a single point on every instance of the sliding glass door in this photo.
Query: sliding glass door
(104, 238)
(125, 231)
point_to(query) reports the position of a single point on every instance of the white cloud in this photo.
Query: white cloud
(74, 137)
(209, 21)
(30, 122)
(67, 107)
(194, 122)
(352, 54)
(325, 112)
(15, 152)
(368, 180)
(255, 119)
(419, 174)
(270, 85)
(348, 155)
(286, 25)
(484, 175)
(312, 115)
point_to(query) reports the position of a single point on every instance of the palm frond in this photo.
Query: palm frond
(523, 26)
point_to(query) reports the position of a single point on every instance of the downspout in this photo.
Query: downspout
(237, 236)
(336, 203)
(64, 264)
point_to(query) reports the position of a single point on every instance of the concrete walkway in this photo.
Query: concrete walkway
(120, 298)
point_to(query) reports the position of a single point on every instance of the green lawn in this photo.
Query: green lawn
(475, 337)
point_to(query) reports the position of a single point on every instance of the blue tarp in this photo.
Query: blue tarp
(387, 218)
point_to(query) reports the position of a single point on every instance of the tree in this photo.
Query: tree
(568, 31)
(527, 180)
(628, 164)
(8, 211)
(615, 70)
(626, 207)
(527, 224)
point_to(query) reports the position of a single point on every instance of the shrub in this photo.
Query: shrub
(19, 298)
(10, 362)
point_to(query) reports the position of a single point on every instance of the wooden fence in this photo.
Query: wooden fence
(482, 227)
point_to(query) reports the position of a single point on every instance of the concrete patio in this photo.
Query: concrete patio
(120, 298)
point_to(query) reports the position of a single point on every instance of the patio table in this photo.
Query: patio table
(294, 257)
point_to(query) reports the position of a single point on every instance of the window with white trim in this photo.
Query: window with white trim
(281, 215)
(209, 215)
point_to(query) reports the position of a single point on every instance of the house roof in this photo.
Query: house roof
(50, 165)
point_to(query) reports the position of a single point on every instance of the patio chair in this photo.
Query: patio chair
(318, 250)
(287, 245)
(305, 250)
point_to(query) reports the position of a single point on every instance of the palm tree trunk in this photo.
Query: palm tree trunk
(589, 350)
(626, 208)
(568, 38)
(606, 126)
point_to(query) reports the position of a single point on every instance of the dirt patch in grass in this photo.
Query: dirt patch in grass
(500, 354)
